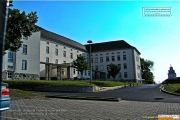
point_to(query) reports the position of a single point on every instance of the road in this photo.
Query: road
(137, 105)
(148, 93)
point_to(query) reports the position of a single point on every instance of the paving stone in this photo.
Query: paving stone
(64, 109)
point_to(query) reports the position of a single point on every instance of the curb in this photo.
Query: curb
(84, 98)
(162, 89)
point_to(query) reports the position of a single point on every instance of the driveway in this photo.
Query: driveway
(149, 93)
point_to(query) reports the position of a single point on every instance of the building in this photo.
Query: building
(171, 73)
(117, 52)
(47, 55)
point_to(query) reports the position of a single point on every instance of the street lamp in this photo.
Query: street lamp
(90, 41)
(3, 19)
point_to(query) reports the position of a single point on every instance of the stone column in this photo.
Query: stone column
(69, 72)
(50, 72)
(46, 71)
(59, 73)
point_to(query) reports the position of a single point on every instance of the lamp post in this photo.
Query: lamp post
(3, 20)
(90, 41)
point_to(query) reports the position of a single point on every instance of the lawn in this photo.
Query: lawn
(17, 94)
(174, 88)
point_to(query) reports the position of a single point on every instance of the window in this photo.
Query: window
(88, 73)
(64, 53)
(74, 71)
(113, 59)
(96, 59)
(26, 38)
(100, 54)
(108, 76)
(118, 52)
(77, 51)
(119, 66)
(9, 75)
(24, 49)
(71, 49)
(10, 56)
(96, 54)
(120, 75)
(125, 75)
(112, 53)
(47, 59)
(125, 66)
(85, 72)
(56, 51)
(118, 58)
(97, 68)
(138, 75)
(24, 64)
(91, 60)
(56, 61)
(137, 58)
(10, 67)
(101, 67)
(71, 56)
(47, 43)
(64, 61)
(64, 47)
(107, 53)
(47, 50)
(107, 67)
(124, 57)
(107, 58)
(124, 51)
(101, 59)
(56, 45)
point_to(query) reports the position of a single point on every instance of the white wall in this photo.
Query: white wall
(32, 57)
(129, 61)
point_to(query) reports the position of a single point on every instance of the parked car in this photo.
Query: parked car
(4, 98)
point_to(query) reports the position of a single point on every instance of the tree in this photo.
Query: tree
(113, 70)
(146, 67)
(19, 24)
(80, 64)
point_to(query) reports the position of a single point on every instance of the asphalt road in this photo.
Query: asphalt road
(148, 93)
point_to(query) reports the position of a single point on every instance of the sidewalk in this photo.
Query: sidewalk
(109, 88)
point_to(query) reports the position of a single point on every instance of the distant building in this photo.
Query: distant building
(171, 73)
(117, 52)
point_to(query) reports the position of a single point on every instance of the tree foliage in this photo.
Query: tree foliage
(80, 64)
(146, 67)
(113, 70)
(19, 24)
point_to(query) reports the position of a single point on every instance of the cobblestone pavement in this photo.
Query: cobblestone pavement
(60, 109)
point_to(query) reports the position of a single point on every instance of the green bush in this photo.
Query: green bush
(33, 84)
(107, 83)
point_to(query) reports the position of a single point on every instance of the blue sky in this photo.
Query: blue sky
(157, 38)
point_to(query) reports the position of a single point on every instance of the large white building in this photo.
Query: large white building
(47, 55)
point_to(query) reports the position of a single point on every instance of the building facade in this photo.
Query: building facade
(120, 53)
(47, 55)
(171, 73)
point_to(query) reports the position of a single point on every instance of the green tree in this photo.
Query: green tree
(113, 70)
(146, 67)
(80, 64)
(19, 24)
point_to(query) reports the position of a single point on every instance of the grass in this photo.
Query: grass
(16, 93)
(107, 83)
(174, 88)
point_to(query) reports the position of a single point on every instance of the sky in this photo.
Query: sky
(157, 38)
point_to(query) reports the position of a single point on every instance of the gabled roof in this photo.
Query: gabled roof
(61, 39)
(112, 45)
